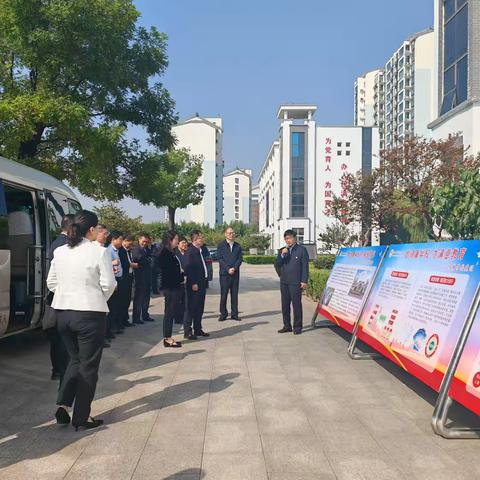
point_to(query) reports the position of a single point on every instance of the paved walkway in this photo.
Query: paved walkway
(244, 404)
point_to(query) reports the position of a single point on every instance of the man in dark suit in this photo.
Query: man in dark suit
(197, 277)
(126, 284)
(292, 264)
(230, 258)
(141, 255)
(58, 352)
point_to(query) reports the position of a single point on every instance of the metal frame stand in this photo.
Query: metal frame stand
(324, 323)
(444, 401)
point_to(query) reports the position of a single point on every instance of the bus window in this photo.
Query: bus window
(3, 219)
(73, 206)
(57, 208)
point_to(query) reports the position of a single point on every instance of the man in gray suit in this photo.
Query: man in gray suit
(292, 266)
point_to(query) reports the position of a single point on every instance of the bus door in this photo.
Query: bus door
(24, 242)
(4, 264)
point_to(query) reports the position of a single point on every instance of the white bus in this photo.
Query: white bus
(32, 205)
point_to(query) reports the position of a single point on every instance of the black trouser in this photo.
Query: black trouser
(196, 305)
(292, 295)
(58, 352)
(141, 301)
(115, 311)
(229, 283)
(125, 291)
(172, 309)
(82, 334)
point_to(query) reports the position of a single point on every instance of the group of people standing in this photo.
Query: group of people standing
(91, 288)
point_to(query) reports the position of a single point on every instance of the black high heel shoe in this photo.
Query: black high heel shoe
(89, 424)
(172, 344)
(62, 416)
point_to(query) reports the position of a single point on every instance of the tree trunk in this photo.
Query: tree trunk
(171, 218)
(29, 148)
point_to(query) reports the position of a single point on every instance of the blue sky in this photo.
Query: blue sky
(241, 59)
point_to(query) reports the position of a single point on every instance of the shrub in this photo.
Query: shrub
(259, 259)
(316, 282)
(325, 262)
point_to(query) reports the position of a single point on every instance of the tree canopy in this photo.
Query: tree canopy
(73, 76)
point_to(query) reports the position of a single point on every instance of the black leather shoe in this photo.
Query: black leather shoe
(285, 330)
(88, 425)
(62, 416)
(55, 376)
(238, 319)
(138, 322)
(201, 333)
(221, 318)
(149, 319)
(189, 336)
(106, 344)
(128, 325)
(297, 332)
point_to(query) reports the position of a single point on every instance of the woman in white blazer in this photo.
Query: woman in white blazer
(82, 279)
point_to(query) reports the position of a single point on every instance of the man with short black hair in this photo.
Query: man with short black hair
(197, 277)
(230, 257)
(141, 255)
(292, 265)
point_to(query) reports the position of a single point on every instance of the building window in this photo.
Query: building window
(237, 201)
(455, 54)
(347, 144)
(339, 153)
(339, 144)
(347, 153)
(237, 216)
(300, 234)
(237, 195)
(237, 209)
(237, 180)
(237, 188)
(297, 188)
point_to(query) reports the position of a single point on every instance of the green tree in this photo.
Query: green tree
(397, 198)
(336, 236)
(173, 182)
(73, 76)
(457, 205)
(116, 218)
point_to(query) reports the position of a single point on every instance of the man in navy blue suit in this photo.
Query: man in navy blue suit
(230, 257)
(292, 266)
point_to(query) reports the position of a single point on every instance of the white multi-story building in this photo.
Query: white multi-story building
(457, 78)
(402, 93)
(303, 172)
(237, 187)
(364, 99)
(203, 137)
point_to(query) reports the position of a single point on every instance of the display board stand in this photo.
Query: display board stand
(444, 401)
(353, 341)
(322, 323)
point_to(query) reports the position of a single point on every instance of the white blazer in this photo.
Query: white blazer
(81, 277)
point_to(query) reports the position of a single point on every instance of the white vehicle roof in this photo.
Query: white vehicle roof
(21, 174)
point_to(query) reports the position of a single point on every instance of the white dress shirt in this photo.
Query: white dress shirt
(203, 261)
(81, 277)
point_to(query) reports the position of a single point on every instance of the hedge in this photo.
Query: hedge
(259, 259)
(316, 282)
(325, 262)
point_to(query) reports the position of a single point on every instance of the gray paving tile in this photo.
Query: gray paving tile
(231, 466)
(239, 436)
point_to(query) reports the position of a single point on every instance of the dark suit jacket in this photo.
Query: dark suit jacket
(58, 242)
(169, 265)
(194, 267)
(207, 256)
(294, 266)
(142, 256)
(122, 253)
(229, 258)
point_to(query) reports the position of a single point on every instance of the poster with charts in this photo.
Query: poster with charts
(419, 304)
(348, 284)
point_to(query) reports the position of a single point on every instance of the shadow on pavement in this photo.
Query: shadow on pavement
(189, 474)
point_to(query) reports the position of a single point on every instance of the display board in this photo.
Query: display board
(349, 284)
(418, 305)
(465, 387)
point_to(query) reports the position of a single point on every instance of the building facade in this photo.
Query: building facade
(203, 137)
(303, 171)
(402, 93)
(237, 187)
(254, 215)
(364, 99)
(457, 60)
